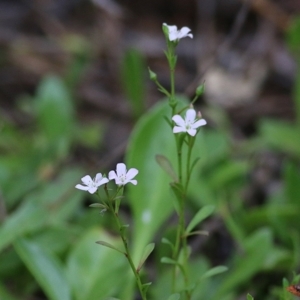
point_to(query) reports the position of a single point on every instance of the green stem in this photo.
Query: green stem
(125, 243)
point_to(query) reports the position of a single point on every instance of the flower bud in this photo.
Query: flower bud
(200, 90)
(152, 75)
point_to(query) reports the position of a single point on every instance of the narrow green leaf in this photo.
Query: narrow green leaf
(45, 268)
(166, 166)
(198, 232)
(168, 242)
(202, 214)
(109, 246)
(98, 205)
(147, 251)
(146, 286)
(174, 297)
(168, 260)
(214, 271)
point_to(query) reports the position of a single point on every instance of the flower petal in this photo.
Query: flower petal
(192, 132)
(87, 180)
(92, 189)
(104, 180)
(199, 123)
(81, 187)
(190, 116)
(98, 178)
(112, 175)
(121, 169)
(178, 120)
(177, 129)
(183, 32)
(133, 182)
(131, 173)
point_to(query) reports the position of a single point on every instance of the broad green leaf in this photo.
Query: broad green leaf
(93, 271)
(45, 268)
(201, 215)
(147, 251)
(167, 260)
(151, 199)
(214, 271)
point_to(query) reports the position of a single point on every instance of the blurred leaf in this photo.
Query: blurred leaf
(281, 136)
(291, 182)
(249, 297)
(45, 268)
(201, 215)
(214, 271)
(93, 271)
(166, 166)
(174, 297)
(151, 200)
(133, 77)
(4, 294)
(52, 204)
(293, 37)
(147, 251)
(55, 114)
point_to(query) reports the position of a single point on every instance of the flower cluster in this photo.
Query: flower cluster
(189, 124)
(121, 177)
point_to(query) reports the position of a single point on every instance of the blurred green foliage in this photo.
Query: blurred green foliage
(47, 236)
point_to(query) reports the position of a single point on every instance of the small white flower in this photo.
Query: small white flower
(189, 124)
(123, 177)
(91, 185)
(176, 35)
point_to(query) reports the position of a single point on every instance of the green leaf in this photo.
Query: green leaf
(55, 114)
(168, 260)
(150, 200)
(249, 297)
(105, 244)
(166, 166)
(214, 271)
(133, 77)
(168, 242)
(202, 214)
(174, 297)
(91, 270)
(45, 268)
(146, 286)
(98, 205)
(147, 251)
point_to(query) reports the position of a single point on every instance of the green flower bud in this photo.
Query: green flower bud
(152, 75)
(200, 90)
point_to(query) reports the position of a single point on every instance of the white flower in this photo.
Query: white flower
(122, 177)
(176, 35)
(189, 124)
(91, 185)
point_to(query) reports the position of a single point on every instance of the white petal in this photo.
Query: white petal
(98, 177)
(133, 182)
(192, 132)
(199, 123)
(112, 175)
(121, 169)
(190, 116)
(178, 120)
(87, 180)
(183, 32)
(131, 173)
(81, 187)
(173, 36)
(92, 190)
(177, 129)
(102, 181)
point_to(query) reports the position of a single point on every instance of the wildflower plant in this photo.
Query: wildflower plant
(185, 123)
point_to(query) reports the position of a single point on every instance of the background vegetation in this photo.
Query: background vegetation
(75, 100)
